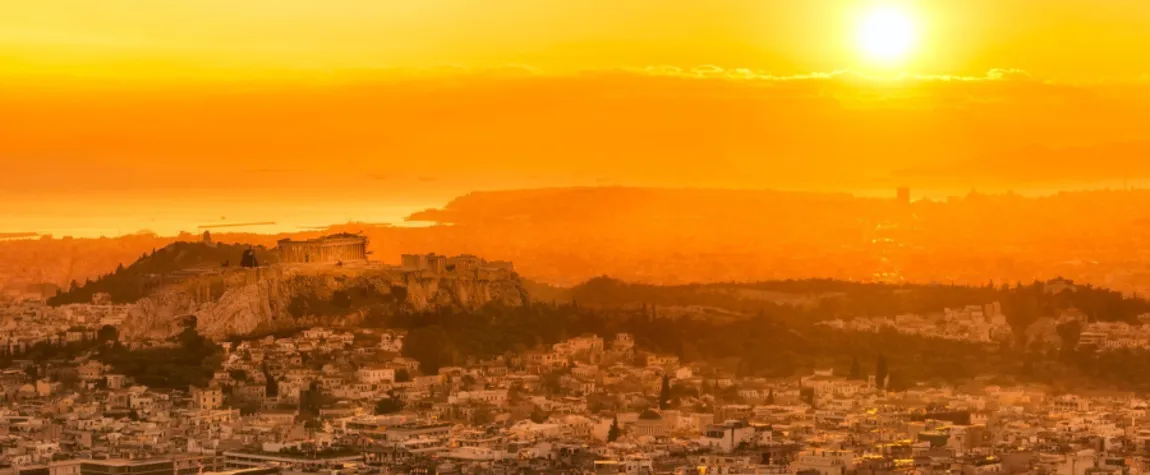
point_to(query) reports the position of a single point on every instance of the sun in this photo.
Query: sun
(887, 35)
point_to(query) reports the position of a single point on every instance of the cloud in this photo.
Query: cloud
(1009, 74)
(716, 72)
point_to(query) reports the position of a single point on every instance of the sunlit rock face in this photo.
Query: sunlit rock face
(250, 301)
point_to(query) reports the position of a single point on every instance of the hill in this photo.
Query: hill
(129, 284)
(820, 299)
(767, 345)
(243, 302)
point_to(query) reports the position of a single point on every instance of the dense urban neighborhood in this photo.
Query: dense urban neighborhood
(352, 400)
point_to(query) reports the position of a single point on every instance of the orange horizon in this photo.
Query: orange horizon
(141, 115)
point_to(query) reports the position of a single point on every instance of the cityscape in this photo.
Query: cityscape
(369, 375)
(575, 237)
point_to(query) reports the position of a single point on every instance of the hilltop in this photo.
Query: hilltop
(242, 302)
(130, 284)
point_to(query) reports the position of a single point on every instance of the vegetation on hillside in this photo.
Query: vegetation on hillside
(764, 345)
(191, 362)
(825, 298)
(356, 294)
(129, 284)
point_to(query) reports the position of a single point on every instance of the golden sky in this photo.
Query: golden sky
(129, 107)
(1060, 39)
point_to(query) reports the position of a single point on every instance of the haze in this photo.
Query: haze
(124, 114)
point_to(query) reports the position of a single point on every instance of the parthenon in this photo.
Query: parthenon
(342, 247)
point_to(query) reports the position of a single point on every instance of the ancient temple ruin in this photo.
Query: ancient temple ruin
(336, 248)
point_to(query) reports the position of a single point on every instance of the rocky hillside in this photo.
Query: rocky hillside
(238, 302)
(130, 284)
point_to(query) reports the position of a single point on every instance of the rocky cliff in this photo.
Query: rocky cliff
(241, 302)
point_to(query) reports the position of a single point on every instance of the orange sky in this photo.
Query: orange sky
(114, 114)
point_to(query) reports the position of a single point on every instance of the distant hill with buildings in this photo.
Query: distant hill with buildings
(565, 236)
(239, 302)
(822, 299)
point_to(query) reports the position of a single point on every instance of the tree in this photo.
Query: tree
(341, 299)
(430, 346)
(107, 333)
(388, 405)
(665, 394)
(310, 400)
(248, 408)
(807, 395)
(553, 382)
(402, 376)
(514, 394)
(238, 375)
(880, 372)
(856, 370)
(70, 379)
(770, 396)
(1069, 332)
(898, 382)
(614, 432)
(482, 416)
(538, 416)
(272, 388)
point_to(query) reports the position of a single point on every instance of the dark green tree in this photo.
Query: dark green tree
(856, 370)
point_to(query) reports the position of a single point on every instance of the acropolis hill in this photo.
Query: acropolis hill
(238, 300)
